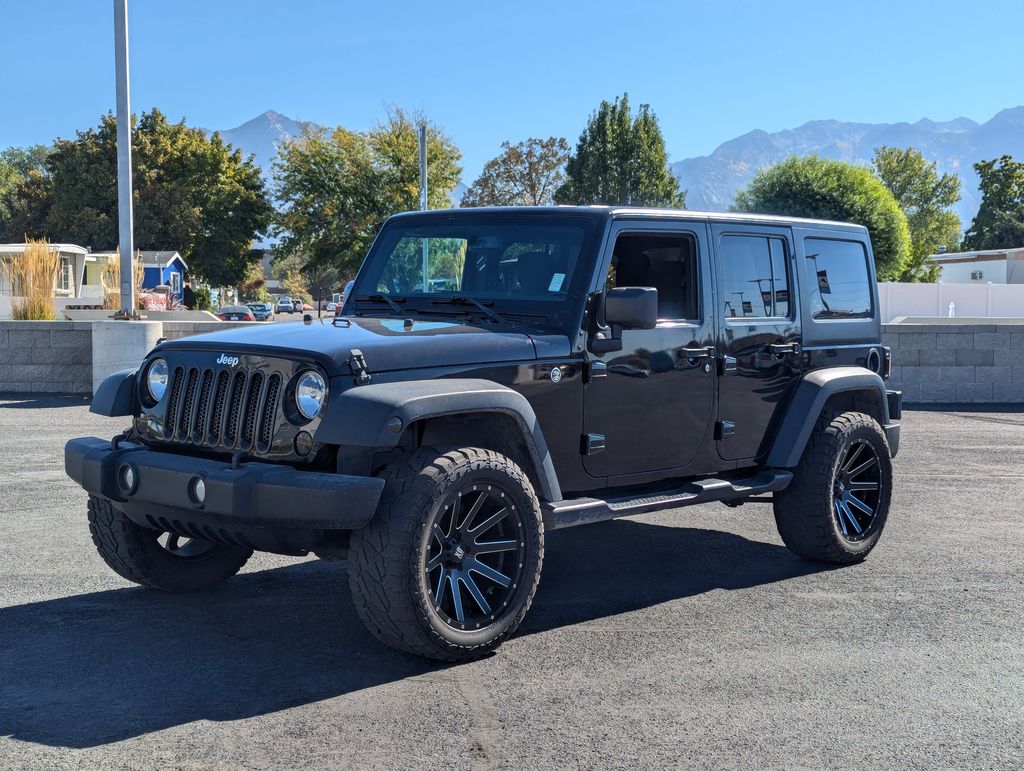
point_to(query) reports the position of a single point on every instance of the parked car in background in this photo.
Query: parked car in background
(301, 306)
(262, 311)
(284, 305)
(235, 313)
(332, 308)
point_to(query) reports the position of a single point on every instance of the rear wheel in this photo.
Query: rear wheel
(448, 567)
(838, 502)
(158, 560)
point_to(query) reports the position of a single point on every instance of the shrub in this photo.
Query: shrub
(31, 276)
(816, 187)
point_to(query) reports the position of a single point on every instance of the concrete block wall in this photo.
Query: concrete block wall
(46, 357)
(58, 356)
(957, 362)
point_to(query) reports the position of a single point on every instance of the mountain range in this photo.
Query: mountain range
(712, 180)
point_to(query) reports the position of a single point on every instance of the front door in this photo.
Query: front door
(648, 407)
(760, 338)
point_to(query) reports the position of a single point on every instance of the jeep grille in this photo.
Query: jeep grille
(226, 410)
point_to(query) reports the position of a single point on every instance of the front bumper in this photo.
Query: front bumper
(251, 496)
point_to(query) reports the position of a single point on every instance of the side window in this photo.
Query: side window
(843, 289)
(666, 262)
(755, 282)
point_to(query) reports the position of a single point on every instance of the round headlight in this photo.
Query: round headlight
(156, 379)
(310, 394)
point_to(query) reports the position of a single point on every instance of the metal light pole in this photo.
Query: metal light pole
(124, 158)
(423, 201)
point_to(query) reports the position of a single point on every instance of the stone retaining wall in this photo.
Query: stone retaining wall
(957, 362)
(57, 356)
(46, 357)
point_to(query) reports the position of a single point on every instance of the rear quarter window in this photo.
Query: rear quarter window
(840, 283)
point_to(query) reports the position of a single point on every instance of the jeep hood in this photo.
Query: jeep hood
(386, 344)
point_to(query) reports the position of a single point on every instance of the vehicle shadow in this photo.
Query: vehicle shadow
(96, 668)
(20, 401)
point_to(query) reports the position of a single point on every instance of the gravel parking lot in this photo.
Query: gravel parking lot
(686, 638)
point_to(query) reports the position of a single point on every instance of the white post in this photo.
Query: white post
(988, 300)
(423, 201)
(124, 157)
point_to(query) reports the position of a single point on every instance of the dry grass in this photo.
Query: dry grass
(31, 276)
(111, 280)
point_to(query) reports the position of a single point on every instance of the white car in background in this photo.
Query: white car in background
(284, 305)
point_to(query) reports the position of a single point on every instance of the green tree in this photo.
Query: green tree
(337, 187)
(192, 193)
(925, 197)
(525, 174)
(17, 165)
(999, 223)
(621, 160)
(810, 186)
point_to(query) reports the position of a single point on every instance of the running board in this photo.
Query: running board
(582, 511)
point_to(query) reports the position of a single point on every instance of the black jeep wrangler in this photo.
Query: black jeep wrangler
(499, 373)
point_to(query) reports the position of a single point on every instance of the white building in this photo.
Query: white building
(991, 266)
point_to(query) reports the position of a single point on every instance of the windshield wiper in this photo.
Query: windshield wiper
(461, 299)
(383, 298)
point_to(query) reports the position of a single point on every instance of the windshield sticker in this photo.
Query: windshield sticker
(556, 282)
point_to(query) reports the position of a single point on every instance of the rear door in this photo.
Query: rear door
(759, 335)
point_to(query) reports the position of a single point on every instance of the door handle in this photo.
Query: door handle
(780, 349)
(705, 352)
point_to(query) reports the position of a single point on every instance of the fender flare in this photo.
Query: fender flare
(365, 416)
(115, 397)
(813, 392)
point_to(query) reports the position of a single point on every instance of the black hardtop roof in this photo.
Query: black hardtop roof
(636, 213)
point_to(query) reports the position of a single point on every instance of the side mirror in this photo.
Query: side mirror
(631, 307)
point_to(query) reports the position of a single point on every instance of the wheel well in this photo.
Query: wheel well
(495, 431)
(866, 400)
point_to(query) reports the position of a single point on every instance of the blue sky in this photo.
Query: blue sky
(490, 71)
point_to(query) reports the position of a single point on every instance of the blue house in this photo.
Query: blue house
(163, 268)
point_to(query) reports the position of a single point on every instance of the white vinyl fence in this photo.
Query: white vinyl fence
(971, 300)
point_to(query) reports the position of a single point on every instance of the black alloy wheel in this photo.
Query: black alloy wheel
(857, 490)
(475, 559)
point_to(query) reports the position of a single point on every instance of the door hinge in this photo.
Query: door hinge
(357, 363)
(728, 365)
(596, 370)
(724, 429)
(591, 444)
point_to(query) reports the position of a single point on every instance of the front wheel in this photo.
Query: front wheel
(835, 508)
(160, 560)
(449, 565)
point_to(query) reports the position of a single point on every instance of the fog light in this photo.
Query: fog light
(198, 490)
(128, 478)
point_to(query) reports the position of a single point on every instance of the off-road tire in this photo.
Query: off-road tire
(133, 552)
(386, 558)
(804, 511)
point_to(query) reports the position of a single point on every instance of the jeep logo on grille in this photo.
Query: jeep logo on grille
(231, 361)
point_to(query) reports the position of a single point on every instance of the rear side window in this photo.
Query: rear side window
(755, 280)
(840, 270)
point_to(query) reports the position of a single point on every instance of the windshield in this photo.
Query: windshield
(486, 258)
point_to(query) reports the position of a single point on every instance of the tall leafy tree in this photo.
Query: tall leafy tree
(999, 223)
(17, 165)
(525, 174)
(816, 187)
(621, 160)
(192, 193)
(925, 197)
(337, 187)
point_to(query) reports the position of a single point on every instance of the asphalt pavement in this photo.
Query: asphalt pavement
(686, 638)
